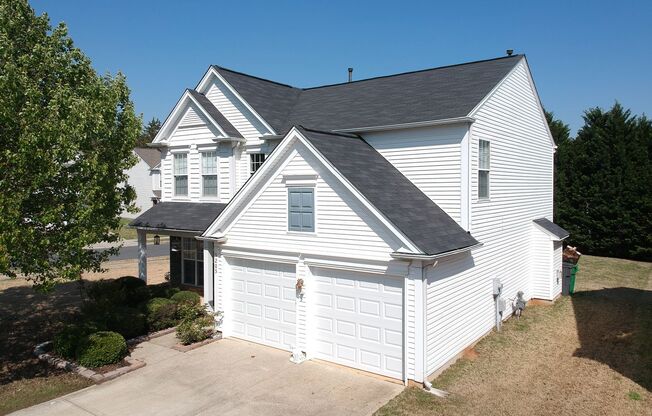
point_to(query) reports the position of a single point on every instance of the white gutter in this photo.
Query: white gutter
(218, 240)
(411, 256)
(454, 120)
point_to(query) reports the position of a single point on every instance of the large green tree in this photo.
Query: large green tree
(66, 136)
(561, 135)
(605, 191)
(149, 132)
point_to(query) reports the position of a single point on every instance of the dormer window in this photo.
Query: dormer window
(256, 161)
(180, 174)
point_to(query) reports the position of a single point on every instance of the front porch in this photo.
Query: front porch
(191, 258)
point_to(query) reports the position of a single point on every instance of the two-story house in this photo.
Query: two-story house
(383, 224)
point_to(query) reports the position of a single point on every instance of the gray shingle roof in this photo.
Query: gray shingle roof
(427, 95)
(398, 199)
(552, 228)
(184, 216)
(151, 156)
(215, 114)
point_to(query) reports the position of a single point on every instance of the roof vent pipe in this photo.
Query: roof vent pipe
(509, 52)
(350, 74)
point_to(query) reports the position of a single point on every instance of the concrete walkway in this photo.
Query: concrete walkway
(226, 377)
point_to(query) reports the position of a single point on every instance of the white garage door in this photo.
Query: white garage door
(263, 301)
(359, 321)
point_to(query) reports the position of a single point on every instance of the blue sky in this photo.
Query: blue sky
(582, 54)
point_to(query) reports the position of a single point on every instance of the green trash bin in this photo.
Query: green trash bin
(572, 278)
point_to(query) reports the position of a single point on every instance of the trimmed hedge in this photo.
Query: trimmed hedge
(161, 313)
(129, 322)
(186, 296)
(102, 348)
(162, 290)
(69, 338)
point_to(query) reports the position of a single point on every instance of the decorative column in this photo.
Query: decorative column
(209, 280)
(142, 255)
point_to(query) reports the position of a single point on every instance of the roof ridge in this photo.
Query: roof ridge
(332, 133)
(256, 77)
(414, 72)
(372, 78)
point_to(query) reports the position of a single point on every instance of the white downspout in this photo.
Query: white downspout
(426, 384)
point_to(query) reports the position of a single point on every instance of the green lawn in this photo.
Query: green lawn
(586, 355)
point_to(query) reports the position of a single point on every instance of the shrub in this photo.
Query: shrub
(101, 348)
(186, 296)
(69, 338)
(130, 282)
(162, 290)
(197, 324)
(161, 313)
(127, 290)
(106, 291)
(129, 322)
(195, 330)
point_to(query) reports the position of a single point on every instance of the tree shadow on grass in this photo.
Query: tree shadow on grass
(614, 326)
(28, 317)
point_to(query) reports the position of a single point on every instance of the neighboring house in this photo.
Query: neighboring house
(373, 233)
(145, 177)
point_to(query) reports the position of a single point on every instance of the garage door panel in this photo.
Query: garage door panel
(263, 299)
(359, 321)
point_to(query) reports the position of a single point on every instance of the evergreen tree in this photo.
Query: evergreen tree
(66, 138)
(149, 132)
(605, 193)
(561, 135)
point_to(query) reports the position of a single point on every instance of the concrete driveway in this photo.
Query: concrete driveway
(226, 377)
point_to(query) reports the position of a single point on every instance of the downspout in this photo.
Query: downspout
(424, 279)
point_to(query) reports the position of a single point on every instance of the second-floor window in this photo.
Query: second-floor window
(180, 174)
(483, 169)
(256, 161)
(209, 174)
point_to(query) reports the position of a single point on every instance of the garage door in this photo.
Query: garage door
(359, 321)
(263, 302)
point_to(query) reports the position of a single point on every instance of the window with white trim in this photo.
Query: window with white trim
(483, 168)
(192, 269)
(209, 174)
(301, 209)
(255, 161)
(180, 174)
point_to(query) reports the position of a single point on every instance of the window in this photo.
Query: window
(192, 269)
(256, 160)
(301, 209)
(181, 174)
(483, 169)
(209, 174)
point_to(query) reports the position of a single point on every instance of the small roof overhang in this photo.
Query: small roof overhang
(555, 231)
(178, 217)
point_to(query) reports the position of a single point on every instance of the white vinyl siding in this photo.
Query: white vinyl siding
(242, 119)
(541, 251)
(181, 174)
(345, 227)
(557, 277)
(209, 170)
(460, 304)
(430, 157)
